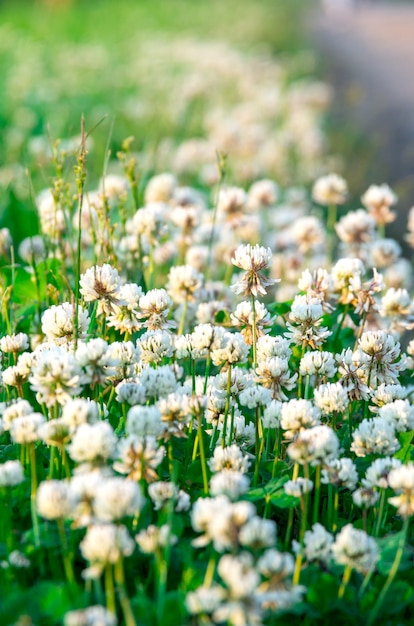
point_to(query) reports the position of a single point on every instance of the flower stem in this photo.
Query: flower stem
(227, 407)
(109, 589)
(345, 580)
(66, 554)
(35, 519)
(393, 571)
(317, 494)
(202, 452)
(123, 594)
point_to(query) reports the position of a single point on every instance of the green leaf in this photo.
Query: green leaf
(283, 500)
(389, 546)
(405, 453)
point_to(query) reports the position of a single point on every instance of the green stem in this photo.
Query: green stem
(254, 332)
(380, 513)
(35, 519)
(183, 316)
(66, 554)
(391, 575)
(123, 594)
(227, 406)
(202, 452)
(110, 589)
(345, 580)
(316, 501)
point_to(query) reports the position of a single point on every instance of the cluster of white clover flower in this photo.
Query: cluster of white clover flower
(127, 406)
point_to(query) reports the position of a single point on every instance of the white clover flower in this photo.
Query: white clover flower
(384, 252)
(378, 472)
(116, 498)
(204, 600)
(18, 560)
(230, 483)
(51, 215)
(384, 394)
(139, 457)
(96, 361)
(152, 538)
(11, 473)
(55, 500)
(306, 315)
(272, 414)
(354, 548)
(58, 323)
(54, 432)
(123, 360)
(130, 392)
(273, 373)
(274, 562)
(234, 350)
(95, 615)
(331, 398)
(205, 338)
(378, 353)
(330, 189)
(239, 574)
(263, 193)
(258, 533)
(163, 492)
(307, 233)
(113, 185)
(298, 487)
(378, 199)
(374, 436)
(183, 282)
(399, 413)
(32, 247)
(243, 317)
(18, 408)
(255, 396)
(231, 458)
(103, 544)
(401, 480)
(365, 497)
(268, 347)
(343, 272)
(155, 345)
(340, 472)
(56, 376)
(356, 227)
(25, 429)
(220, 521)
(14, 343)
(92, 442)
(144, 420)
(317, 445)
(160, 188)
(101, 283)
(318, 362)
(80, 411)
(252, 260)
(127, 317)
(318, 544)
(158, 382)
(239, 381)
(155, 306)
(297, 415)
(231, 202)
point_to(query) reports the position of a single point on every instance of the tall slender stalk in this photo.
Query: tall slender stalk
(123, 594)
(393, 572)
(35, 519)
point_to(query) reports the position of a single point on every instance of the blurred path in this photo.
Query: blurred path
(369, 52)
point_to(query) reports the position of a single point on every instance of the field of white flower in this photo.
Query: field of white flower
(206, 409)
